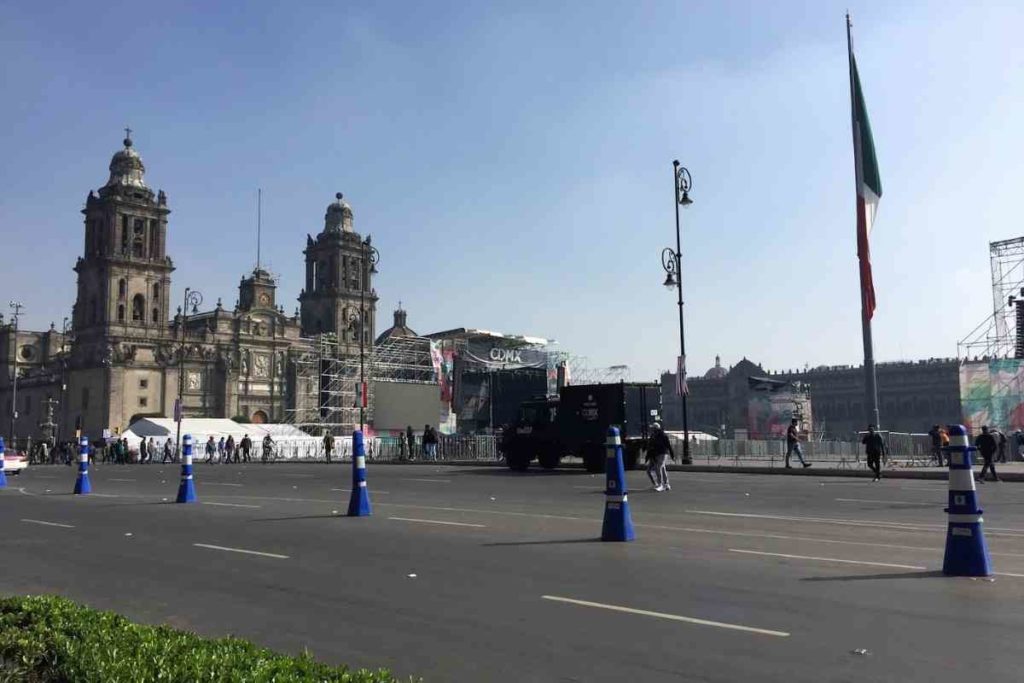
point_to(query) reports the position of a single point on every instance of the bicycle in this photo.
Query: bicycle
(270, 454)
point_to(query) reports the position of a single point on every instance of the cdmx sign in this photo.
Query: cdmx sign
(506, 355)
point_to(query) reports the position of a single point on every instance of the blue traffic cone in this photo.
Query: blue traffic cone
(359, 501)
(82, 485)
(966, 552)
(187, 488)
(618, 524)
(3, 477)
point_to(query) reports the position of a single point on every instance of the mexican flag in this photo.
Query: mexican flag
(869, 188)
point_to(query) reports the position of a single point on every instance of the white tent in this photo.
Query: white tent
(160, 429)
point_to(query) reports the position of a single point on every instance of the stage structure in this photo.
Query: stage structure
(999, 335)
(332, 404)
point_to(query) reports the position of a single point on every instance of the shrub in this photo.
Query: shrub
(47, 639)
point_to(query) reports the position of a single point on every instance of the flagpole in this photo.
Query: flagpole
(870, 379)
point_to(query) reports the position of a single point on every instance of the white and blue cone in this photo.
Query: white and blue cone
(966, 551)
(359, 501)
(3, 477)
(187, 488)
(618, 524)
(82, 485)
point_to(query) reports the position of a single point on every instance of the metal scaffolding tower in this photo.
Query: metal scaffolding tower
(327, 379)
(995, 337)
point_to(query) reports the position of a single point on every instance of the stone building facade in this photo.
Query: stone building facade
(123, 354)
(912, 396)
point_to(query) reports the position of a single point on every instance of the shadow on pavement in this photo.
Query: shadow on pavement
(510, 474)
(874, 577)
(554, 542)
(289, 519)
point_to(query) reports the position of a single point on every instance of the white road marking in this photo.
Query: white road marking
(432, 481)
(299, 476)
(240, 550)
(887, 502)
(122, 479)
(900, 526)
(231, 505)
(217, 483)
(102, 495)
(39, 521)
(671, 617)
(826, 559)
(374, 491)
(436, 521)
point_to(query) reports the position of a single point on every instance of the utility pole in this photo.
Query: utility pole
(16, 306)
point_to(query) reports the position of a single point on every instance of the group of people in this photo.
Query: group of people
(428, 444)
(227, 450)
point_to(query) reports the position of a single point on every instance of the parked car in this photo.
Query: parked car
(14, 463)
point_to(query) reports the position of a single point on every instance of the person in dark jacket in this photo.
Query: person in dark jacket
(328, 445)
(987, 445)
(1001, 440)
(793, 443)
(658, 446)
(936, 437)
(429, 443)
(410, 437)
(874, 448)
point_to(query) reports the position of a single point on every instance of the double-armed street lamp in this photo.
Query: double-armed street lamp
(370, 256)
(193, 300)
(671, 261)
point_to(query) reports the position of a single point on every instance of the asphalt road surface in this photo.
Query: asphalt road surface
(480, 574)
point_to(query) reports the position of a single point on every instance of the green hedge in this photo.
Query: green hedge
(51, 639)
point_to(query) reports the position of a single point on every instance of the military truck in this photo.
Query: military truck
(576, 422)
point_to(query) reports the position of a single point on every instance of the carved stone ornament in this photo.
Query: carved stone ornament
(194, 381)
(261, 365)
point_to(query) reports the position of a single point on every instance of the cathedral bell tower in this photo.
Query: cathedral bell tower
(339, 280)
(124, 274)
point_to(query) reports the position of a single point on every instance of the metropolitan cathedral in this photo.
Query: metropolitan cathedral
(127, 345)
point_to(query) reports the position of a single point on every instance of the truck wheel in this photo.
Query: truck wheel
(549, 461)
(518, 461)
(594, 458)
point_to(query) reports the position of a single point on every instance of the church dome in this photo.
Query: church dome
(126, 167)
(338, 218)
(399, 329)
(717, 372)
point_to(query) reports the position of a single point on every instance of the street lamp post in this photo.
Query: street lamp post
(63, 383)
(193, 299)
(671, 261)
(370, 256)
(14, 380)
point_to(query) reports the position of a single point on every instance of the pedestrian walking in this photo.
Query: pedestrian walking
(1002, 442)
(793, 444)
(936, 437)
(410, 437)
(1018, 444)
(874, 448)
(229, 449)
(245, 446)
(986, 443)
(220, 450)
(211, 449)
(328, 445)
(168, 452)
(658, 448)
(429, 443)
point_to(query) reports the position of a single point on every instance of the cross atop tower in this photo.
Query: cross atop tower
(127, 136)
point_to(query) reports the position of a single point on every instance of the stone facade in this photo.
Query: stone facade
(912, 396)
(124, 355)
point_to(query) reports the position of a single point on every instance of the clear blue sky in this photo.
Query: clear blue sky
(513, 161)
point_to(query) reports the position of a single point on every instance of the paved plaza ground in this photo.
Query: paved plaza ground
(481, 574)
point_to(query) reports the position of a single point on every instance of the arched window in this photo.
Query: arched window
(122, 288)
(156, 292)
(156, 315)
(138, 238)
(138, 305)
(120, 313)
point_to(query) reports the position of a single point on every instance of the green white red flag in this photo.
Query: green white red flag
(869, 188)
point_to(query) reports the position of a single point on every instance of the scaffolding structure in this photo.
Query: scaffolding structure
(582, 372)
(996, 336)
(328, 374)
